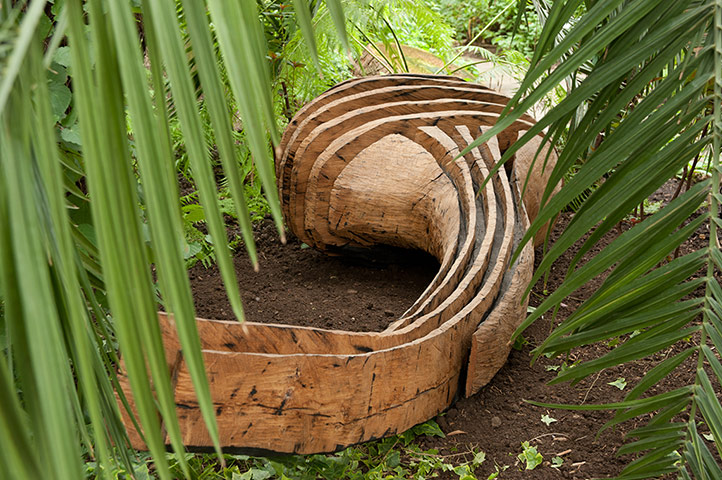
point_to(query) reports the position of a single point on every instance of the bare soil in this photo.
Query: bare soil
(297, 285)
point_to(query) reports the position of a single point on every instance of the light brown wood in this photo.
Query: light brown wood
(534, 162)
(376, 161)
(491, 344)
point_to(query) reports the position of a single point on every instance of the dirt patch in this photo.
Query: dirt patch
(297, 285)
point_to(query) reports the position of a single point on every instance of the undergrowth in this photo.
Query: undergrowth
(397, 457)
(468, 18)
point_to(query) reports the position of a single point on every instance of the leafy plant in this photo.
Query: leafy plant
(405, 21)
(529, 456)
(620, 383)
(394, 457)
(298, 75)
(652, 71)
(469, 17)
(57, 369)
(547, 420)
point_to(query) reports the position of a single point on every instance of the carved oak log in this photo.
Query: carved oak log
(373, 161)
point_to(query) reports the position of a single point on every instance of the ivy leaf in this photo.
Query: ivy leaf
(547, 420)
(557, 462)
(478, 459)
(430, 428)
(62, 56)
(57, 73)
(407, 437)
(193, 213)
(191, 250)
(141, 472)
(530, 456)
(60, 97)
(464, 472)
(252, 474)
(57, 7)
(620, 383)
(45, 26)
(71, 135)
(394, 459)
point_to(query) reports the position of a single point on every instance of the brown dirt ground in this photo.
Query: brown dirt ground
(298, 285)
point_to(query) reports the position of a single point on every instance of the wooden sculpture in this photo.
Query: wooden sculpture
(373, 162)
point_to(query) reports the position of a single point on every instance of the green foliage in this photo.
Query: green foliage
(648, 75)
(470, 17)
(296, 77)
(547, 420)
(620, 383)
(529, 456)
(91, 120)
(387, 22)
(414, 23)
(394, 457)
(198, 244)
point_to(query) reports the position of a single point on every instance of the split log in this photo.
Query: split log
(375, 161)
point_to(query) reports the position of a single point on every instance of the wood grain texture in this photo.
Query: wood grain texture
(375, 161)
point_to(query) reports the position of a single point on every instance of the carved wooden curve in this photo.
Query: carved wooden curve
(373, 162)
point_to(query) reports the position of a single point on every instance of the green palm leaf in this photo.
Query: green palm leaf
(69, 292)
(44, 375)
(651, 86)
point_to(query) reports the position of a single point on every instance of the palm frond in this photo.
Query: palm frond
(91, 229)
(649, 78)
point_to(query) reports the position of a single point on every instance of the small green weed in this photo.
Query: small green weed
(519, 343)
(648, 208)
(547, 420)
(498, 470)
(529, 456)
(397, 457)
(620, 383)
(566, 366)
(198, 245)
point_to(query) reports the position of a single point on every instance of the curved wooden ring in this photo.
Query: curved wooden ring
(375, 161)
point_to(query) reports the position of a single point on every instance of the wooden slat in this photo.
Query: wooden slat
(491, 341)
(345, 137)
